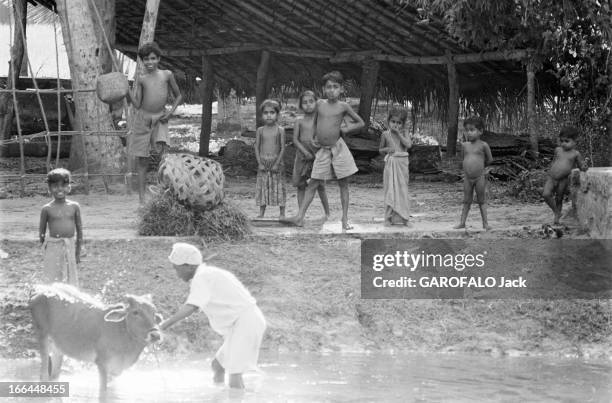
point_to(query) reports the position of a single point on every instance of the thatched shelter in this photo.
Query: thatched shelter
(383, 45)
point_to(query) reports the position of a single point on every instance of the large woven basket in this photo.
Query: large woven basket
(197, 182)
(112, 87)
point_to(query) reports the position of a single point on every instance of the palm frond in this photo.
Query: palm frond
(36, 14)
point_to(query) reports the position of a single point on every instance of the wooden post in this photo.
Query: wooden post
(453, 110)
(208, 86)
(533, 135)
(369, 77)
(261, 84)
(20, 9)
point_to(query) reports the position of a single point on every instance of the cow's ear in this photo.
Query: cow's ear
(116, 315)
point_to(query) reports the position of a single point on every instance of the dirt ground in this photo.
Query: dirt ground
(435, 207)
(307, 280)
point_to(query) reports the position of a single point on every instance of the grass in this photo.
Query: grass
(164, 215)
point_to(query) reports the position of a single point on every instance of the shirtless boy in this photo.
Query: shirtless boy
(150, 122)
(62, 217)
(566, 158)
(476, 156)
(334, 159)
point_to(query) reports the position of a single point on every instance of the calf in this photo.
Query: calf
(83, 328)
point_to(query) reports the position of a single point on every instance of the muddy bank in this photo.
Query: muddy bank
(309, 290)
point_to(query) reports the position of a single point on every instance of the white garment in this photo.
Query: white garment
(220, 295)
(232, 313)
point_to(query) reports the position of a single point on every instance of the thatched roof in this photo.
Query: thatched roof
(308, 38)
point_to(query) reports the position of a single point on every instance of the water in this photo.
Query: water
(340, 377)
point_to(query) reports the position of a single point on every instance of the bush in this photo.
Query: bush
(164, 215)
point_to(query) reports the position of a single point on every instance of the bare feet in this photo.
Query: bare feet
(218, 370)
(296, 221)
(235, 381)
(459, 226)
(260, 216)
(346, 226)
(486, 227)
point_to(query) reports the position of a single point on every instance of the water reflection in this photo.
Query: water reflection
(340, 377)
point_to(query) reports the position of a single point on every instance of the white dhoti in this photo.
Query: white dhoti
(59, 257)
(240, 350)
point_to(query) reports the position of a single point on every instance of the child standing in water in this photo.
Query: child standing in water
(395, 145)
(62, 248)
(476, 156)
(566, 158)
(303, 136)
(269, 149)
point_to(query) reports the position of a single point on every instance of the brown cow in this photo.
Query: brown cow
(83, 328)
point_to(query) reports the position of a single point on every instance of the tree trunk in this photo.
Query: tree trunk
(533, 135)
(369, 76)
(20, 9)
(261, 86)
(453, 111)
(208, 86)
(101, 154)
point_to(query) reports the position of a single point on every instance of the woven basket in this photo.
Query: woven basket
(197, 182)
(112, 87)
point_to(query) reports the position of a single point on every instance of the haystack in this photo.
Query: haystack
(190, 201)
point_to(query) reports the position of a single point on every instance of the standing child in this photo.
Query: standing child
(303, 137)
(149, 128)
(566, 158)
(61, 250)
(269, 149)
(476, 156)
(334, 159)
(231, 310)
(395, 145)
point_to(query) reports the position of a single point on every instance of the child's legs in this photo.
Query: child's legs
(344, 198)
(308, 196)
(323, 196)
(468, 197)
(549, 189)
(142, 165)
(561, 189)
(301, 190)
(481, 197)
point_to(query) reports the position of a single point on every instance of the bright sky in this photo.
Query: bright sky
(41, 51)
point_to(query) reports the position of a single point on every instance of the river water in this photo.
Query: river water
(343, 377)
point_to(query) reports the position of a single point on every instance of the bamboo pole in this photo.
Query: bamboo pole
(59, 105)
(261, 84)
(453, 110)
(208, 86)
(531, 129)
(40, 103)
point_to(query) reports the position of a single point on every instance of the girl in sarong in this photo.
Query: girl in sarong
(395, 145)
(269, 149)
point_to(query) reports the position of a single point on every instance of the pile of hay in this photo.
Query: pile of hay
(164, 215)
